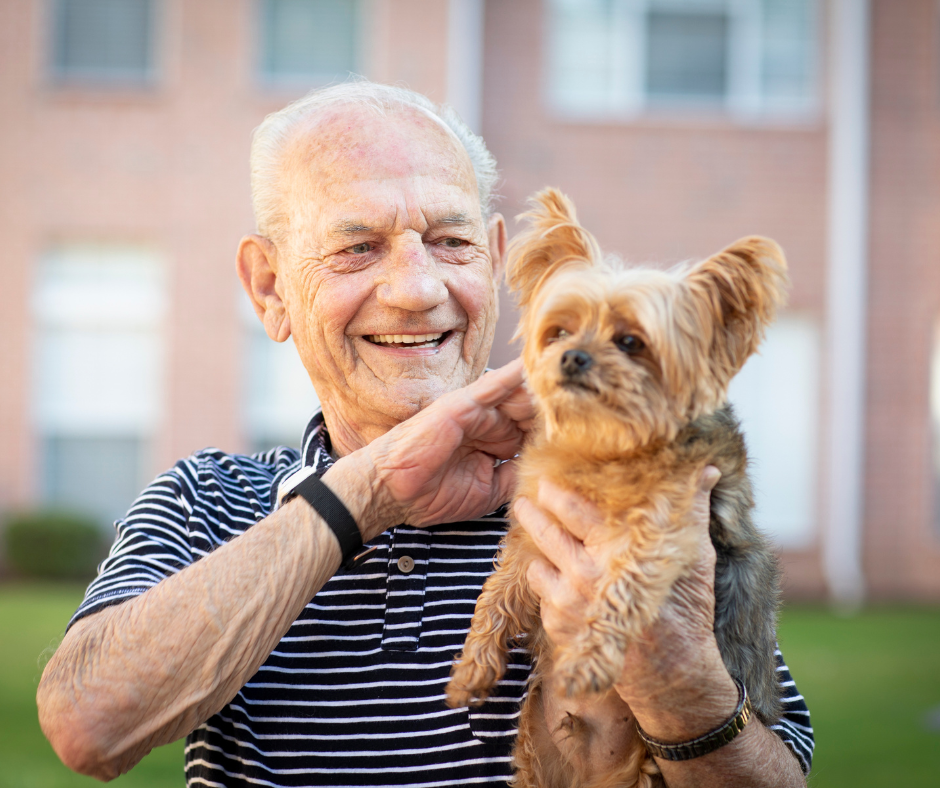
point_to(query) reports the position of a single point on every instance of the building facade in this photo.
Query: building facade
(677, 126)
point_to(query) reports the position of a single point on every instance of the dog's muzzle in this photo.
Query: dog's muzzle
(575, 363)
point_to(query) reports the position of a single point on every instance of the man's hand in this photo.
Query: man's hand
(674, 680)
(148, 671)
(678, 647)
(440, 465)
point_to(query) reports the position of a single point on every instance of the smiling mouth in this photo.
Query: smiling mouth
(407, 340)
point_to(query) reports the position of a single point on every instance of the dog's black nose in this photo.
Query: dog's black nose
(575, 362)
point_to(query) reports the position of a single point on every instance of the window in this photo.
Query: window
(611, 58)
(98, 374)
(109, 41)
(278, 395)
(309, 41)
(776, 396)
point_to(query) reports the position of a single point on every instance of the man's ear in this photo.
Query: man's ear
(256, 263)
(498, 240)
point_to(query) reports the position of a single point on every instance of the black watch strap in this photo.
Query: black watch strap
(708, 742)
(334, 514)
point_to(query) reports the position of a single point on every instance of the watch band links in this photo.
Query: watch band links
(708, 742)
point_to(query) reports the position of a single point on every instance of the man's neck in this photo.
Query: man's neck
(346, 436)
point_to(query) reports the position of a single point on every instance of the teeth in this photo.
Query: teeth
(404, 339)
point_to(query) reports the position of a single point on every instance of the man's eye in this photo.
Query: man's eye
(359, 248)
(452, 243)
(630, 343)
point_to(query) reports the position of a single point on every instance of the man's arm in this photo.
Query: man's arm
(146, 672)
(674, 681)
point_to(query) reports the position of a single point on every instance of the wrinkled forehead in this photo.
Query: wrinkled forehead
(350, 143)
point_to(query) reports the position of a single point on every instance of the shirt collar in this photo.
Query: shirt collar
(316, 446)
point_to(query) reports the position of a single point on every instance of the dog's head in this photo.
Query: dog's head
(617, 356)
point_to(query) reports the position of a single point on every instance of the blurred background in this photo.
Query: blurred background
(675, 125)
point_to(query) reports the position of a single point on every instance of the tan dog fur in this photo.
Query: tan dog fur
(630, 429)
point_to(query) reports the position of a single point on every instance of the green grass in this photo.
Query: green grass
(32, 621)
(870, 681)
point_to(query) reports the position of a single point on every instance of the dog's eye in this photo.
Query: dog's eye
(630, 343)
(559, 334)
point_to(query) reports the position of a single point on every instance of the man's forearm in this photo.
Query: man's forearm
(148, 671)
(756, 758)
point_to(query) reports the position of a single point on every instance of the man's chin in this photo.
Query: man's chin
(408, 397)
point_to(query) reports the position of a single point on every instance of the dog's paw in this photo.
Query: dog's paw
(470, 683)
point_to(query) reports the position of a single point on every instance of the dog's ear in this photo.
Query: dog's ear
(736, 294)
(552, 240)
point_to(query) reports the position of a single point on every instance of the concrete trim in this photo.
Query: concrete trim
(846, 297)
(465, 59)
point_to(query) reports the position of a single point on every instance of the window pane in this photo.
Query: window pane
(579, 54)
(309, 39)
(686, 54)
(776, 396)
(789, 60)
(97, 476)
(99, 362)
(104, 39)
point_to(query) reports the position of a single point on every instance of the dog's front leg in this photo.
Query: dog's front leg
(505, 609)
(638, 579)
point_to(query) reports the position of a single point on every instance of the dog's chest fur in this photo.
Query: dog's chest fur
(657, 478)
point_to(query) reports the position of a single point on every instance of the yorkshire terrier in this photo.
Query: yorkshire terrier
(629, 369)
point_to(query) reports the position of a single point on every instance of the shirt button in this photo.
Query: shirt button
(406, 563)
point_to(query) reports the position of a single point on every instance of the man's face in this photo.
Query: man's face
(389, 270)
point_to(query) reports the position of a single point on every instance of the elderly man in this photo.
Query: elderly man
(233, 608)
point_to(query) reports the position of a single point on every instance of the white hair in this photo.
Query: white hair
(277, 129)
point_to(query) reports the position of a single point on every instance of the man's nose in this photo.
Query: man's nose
(413, 280)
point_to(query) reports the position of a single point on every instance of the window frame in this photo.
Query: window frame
(745, 101)
(65, 77)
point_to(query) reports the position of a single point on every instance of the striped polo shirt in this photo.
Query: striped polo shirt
(353, 695)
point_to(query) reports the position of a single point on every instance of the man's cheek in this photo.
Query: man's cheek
(479, 296)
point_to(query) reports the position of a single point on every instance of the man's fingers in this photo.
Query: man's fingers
(542, 577)
(702, 506)
(579, 515)
(554, 542)
(520, 407)
(497, 386)
(708, 479)
(559, 547)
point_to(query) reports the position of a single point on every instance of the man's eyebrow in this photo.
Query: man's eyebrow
(454, 219)
(349, 228)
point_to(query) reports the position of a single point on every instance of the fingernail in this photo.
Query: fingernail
(709, 478)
